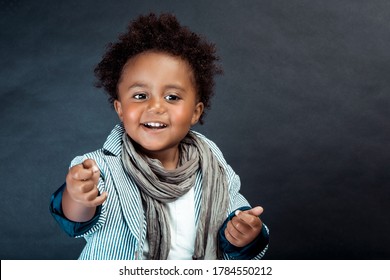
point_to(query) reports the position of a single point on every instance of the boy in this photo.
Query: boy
(157, 190)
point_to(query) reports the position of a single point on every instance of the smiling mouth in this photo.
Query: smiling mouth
(154, 125)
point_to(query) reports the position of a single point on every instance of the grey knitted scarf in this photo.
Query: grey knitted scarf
(159, 186)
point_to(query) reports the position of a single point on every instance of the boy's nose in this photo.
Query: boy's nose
(156, 105)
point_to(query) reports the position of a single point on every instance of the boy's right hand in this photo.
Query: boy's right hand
(81, 184)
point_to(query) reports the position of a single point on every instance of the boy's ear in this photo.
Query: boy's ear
(118, 109)
(197, 113)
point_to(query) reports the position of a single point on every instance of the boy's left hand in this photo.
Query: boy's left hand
(244, 227)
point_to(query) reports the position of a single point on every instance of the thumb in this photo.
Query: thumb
(255, 211)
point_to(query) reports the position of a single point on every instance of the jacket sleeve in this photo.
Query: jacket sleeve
(73, 229)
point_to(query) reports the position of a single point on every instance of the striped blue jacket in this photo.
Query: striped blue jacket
(119, 231)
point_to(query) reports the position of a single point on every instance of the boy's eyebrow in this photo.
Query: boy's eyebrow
(138, 85)
(173, 86)
(169, 86)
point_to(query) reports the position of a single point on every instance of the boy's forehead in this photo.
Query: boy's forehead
(157, 53)
(152, 56)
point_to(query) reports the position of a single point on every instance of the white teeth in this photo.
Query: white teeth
(155, 125)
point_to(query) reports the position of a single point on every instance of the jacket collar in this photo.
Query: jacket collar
(113, 144)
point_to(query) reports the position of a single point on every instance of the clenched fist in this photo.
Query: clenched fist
(244, 227)
(81, 195)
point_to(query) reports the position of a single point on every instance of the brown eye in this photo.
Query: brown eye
(172, 97)
(139, 96)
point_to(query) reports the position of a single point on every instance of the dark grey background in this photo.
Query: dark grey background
(302, 114)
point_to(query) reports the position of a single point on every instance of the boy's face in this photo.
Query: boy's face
(157, 102)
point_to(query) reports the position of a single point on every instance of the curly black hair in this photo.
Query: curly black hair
(160, 33)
